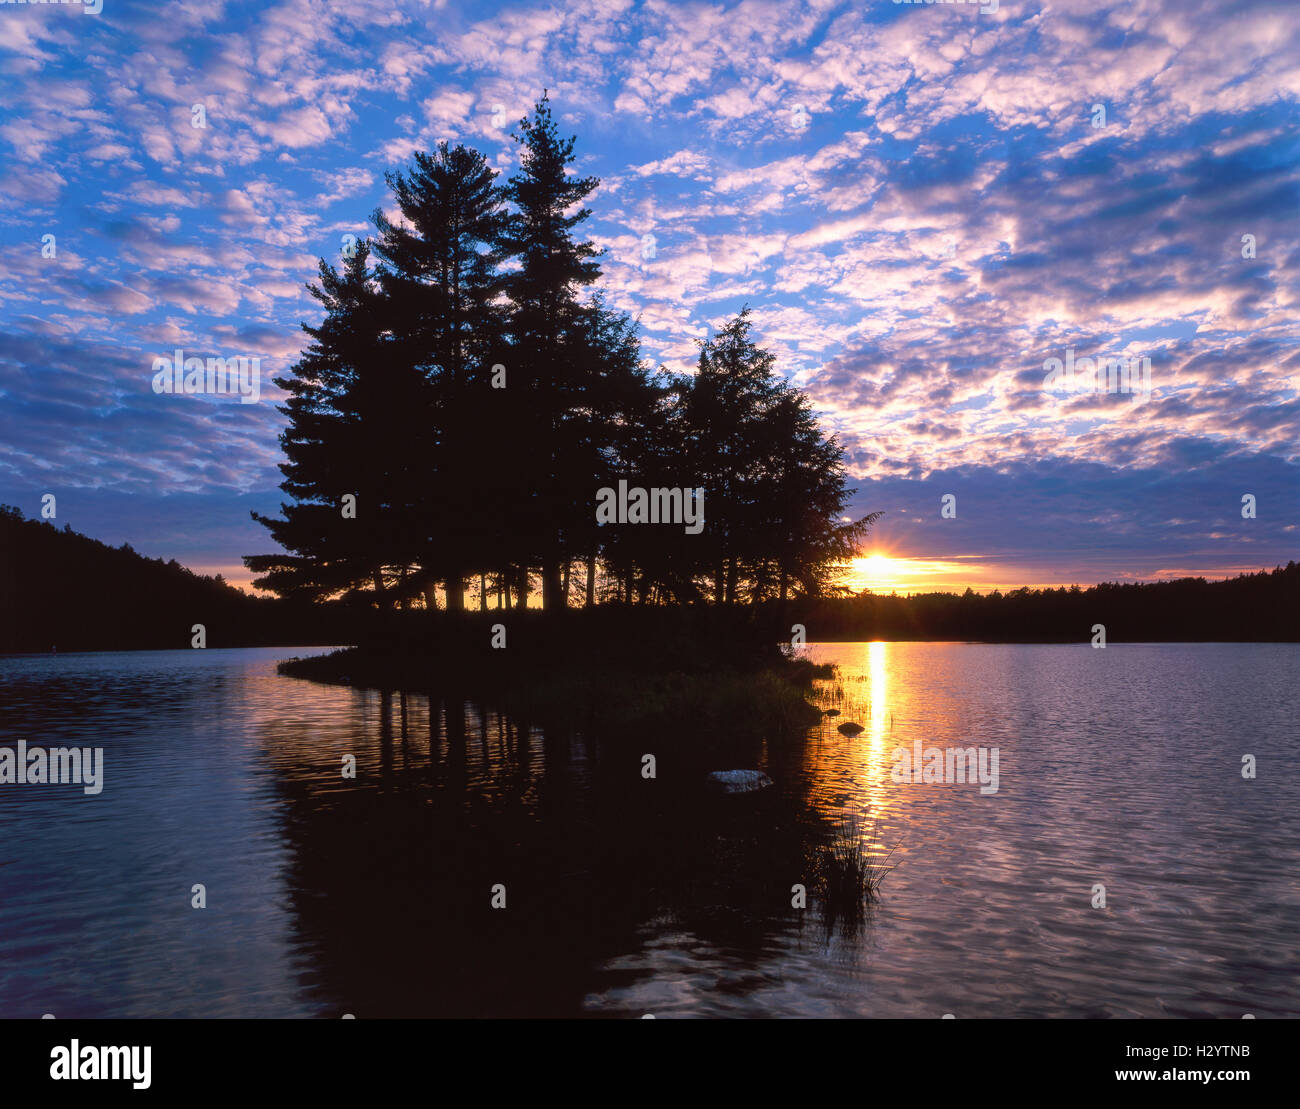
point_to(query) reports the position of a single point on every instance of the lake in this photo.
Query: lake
(624, 895)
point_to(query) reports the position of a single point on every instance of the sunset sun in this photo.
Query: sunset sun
(878, 571)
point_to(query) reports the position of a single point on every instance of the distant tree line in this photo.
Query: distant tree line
(62, 589)
(1260, 607)
(467, 395)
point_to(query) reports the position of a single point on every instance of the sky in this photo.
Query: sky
(923, 204)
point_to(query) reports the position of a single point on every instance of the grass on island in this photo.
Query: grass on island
(656, 677)
(766, 702)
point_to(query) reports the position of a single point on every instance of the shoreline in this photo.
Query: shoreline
(762, 700)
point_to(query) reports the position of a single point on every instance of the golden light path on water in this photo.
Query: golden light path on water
(878, 673)
(866, 679)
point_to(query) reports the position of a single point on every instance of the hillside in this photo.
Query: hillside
(61, 589)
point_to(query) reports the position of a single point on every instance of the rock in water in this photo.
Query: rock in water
(740, 781)
(832, 712)
(850, 729)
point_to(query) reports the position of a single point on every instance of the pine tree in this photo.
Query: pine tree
(547, 332)
(615, 432)
(354, 426)
(804, 538)
(393, 403)
(774, 486)
(733, 386)
(440, 278)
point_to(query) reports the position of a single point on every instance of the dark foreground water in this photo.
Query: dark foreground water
(625, 896)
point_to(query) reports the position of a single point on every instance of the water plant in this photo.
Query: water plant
(852, 867)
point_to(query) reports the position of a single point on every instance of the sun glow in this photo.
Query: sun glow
(880, 571)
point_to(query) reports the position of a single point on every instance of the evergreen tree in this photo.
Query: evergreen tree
(548, 329)
(440, 278)
(804, 539)
(354, 426)
(619, 431)
(774, 486)
(734, 384)
(394, 403)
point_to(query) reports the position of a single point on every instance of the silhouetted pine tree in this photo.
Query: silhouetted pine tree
(723, 407)
(394, 403)
(440, 278)
(355, 423)
(548, 330)
(611, 431)
(774, 486)
(801, 535)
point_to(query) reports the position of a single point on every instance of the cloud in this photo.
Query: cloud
(945, 219)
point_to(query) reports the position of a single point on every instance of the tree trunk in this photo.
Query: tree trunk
(591, 580)
(482, 591)
(455, 594)
(552, 598)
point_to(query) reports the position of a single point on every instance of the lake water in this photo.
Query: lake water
(625, 896)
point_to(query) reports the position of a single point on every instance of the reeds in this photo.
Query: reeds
(853, 866)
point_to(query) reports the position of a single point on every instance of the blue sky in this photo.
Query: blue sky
(916, 201)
